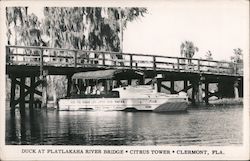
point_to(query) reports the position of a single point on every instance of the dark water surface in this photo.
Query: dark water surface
(202, 126)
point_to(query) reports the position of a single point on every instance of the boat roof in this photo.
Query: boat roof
(109, 74)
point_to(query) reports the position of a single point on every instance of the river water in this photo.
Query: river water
(199, 126)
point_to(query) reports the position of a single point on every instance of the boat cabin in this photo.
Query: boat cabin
(100, 83)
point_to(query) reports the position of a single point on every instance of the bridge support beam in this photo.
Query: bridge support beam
(199, 94)
(22, 96)
(69, 85)
(24, 90)
(236, 89)
(129, 81)
(142, 80)
(159, 81)
(12, 94)
(196, 91)
(206, 92)
(44, 92)
(172, 91)
(185, 84)
(31, 101)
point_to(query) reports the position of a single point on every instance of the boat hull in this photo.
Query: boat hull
(124, 104)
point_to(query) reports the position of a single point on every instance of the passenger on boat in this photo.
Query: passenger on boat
(74, 90)
(88, 90)
(94, 90)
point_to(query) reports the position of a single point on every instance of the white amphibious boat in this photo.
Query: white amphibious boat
(128, 98)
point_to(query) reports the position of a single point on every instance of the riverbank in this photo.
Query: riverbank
(226, 101)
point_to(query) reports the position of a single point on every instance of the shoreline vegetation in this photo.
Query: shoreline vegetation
(227, 101)
(221, 102)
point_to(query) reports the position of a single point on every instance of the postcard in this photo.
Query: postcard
(124, 80)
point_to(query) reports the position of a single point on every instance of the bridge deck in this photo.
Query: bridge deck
(61, 61)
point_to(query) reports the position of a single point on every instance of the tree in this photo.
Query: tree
(23, 28)
(209, 55)
(188, 50)
(91, 28)
(237, 58)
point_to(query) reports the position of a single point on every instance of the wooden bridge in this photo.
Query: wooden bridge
(37, 62)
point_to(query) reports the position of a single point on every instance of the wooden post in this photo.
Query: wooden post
(235, 68)
(154, 63)
(194, 91)
(206, 92)
(103, 58)
(41, 62)
(158, 81)
(12, 93)
(236, 89)
(69, 84)
(44, 92)
(105, 84)
(199, 66)
(31, 101)
(22, 96)
(142, 80)
(131, 61)
(75, 59)
(129, 81)
(178, 64)
(54, 92)
(172, 87)
(185, 85)
(108, 84)
(199, 92)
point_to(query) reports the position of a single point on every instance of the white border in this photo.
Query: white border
(11, 152)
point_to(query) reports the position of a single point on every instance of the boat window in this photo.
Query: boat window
(115, 94)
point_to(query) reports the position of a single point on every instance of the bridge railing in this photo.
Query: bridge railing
(44, 56)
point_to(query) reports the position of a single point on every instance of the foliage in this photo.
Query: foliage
(24, 29)
(209, 55)
(188, 49)
(91, 28)
(237, 58)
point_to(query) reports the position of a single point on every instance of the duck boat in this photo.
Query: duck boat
(125, 98)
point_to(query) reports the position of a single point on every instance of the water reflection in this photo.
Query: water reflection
(197, 127)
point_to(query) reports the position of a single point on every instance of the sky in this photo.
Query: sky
(215, 25)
